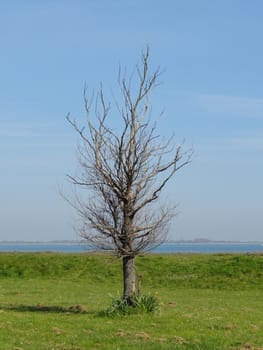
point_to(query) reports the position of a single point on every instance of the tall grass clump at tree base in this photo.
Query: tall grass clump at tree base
(135, 305)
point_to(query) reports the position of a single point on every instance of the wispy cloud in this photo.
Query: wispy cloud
(234, 105)
(252, 144)
(35, 131)
(21, 128)
(15, 131)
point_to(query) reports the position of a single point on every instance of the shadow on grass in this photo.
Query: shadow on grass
(74, 309)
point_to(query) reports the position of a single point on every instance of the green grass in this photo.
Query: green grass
(55, 301)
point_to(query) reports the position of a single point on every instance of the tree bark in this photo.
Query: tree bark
(129, 277)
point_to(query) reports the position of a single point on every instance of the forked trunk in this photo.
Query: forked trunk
(129, 277)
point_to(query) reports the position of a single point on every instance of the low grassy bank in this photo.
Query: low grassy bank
(52, 301)
(219, 271)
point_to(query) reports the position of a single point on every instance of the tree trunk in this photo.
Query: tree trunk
(129, 277)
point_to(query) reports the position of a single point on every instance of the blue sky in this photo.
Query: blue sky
(211, 54)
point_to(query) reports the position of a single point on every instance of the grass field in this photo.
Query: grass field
(54, 301)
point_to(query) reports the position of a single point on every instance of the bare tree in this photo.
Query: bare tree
(125, 170)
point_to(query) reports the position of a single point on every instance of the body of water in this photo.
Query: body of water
(164, 248)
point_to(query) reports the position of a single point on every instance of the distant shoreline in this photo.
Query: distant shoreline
(194, 241)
